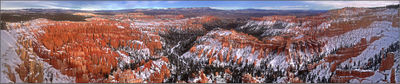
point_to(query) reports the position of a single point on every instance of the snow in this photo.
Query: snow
(279, 61)
(377, 77)
(352, 37)
(321, 71)
(381, 28)
(396, 66)
(125, 59)
(137, 41)
(147, 72)
(324, 25)
(56, 75)
(298, 37)
(8, 56)
(121, 27)
(281, 80)
(268, 27)
(354, 81)
(387, 12)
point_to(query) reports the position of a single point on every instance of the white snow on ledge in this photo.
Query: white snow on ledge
(350, 38)
(390, 35)
(8, 56)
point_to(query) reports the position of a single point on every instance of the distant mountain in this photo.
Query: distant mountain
(202, 11)
(188, 12)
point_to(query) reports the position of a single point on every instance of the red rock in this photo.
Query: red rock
(387, 62)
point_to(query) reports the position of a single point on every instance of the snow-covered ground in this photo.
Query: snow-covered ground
(10, 58)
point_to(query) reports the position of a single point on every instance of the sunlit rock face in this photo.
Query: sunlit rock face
(349, 45)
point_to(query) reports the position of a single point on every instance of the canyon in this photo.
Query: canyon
(348, 45)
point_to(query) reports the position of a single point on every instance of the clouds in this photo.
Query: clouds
(342, 4)
(86, 5)
(118, 5)
(29, 4)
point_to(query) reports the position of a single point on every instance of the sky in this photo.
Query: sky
(225, 5)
